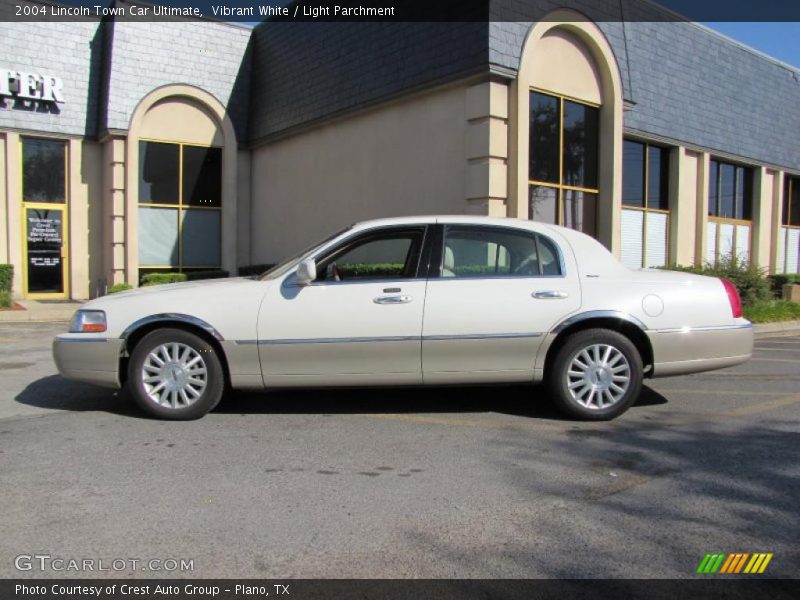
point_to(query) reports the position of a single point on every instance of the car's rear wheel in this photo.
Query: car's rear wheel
(174, 374)
(596, 375)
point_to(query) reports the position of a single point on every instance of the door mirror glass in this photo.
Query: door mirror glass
(306, 272)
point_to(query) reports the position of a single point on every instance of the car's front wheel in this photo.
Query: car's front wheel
(596, 375)
(174, 374)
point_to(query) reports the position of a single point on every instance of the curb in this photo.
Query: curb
(37, 312)
(781, 328)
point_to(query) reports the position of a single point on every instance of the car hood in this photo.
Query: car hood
(189, 291)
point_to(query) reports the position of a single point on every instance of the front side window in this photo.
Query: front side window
(389, 254)
(789, 238)
(497, 252)
(563, 161)
(730, 210)
(180, 201)
(645, 205)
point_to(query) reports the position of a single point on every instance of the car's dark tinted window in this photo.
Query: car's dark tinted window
(497, 252)
(385, 254)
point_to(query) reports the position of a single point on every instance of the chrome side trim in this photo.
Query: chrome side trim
(83, 341)
(598, 314)
(171, 317)
(341, 340)
(481, 336)
(707, 328)
(410, 338)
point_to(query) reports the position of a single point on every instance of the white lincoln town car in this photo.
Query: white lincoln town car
(411, 301)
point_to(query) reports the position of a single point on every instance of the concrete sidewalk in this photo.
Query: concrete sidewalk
(765, 330)
(42, 312)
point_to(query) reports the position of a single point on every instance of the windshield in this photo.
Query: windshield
(290, 262)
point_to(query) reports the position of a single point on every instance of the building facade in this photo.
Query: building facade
(127, 148)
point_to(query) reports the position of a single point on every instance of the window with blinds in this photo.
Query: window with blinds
(788, 258)
(645, 205)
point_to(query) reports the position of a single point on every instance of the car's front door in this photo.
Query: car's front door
(359, 322)
(497, 292)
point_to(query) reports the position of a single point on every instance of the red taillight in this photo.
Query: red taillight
(733, 298)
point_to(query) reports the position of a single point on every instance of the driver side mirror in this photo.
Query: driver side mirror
(306, 272)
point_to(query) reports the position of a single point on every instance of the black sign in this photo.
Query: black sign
(45, 237)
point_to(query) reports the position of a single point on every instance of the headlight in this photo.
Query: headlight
(88, 321)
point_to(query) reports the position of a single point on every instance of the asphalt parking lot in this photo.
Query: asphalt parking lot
(458, 482)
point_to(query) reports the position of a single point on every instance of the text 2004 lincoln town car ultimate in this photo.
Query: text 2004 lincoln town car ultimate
(425, 300)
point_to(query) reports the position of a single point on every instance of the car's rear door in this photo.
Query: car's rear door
(359, 322)
(492, 296)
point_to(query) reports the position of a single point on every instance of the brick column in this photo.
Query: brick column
(763, 189)
(684, 168)
(3, 202)
(114, 230)
(14, 216)
(703, 170)
(487, 149)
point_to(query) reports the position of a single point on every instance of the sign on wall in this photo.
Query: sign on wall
(31, 91)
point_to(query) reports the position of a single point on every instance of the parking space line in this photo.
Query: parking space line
(762, 406)
(779, 349)
(536, 425)
(715, 392)
(461, 422)
(784, 360)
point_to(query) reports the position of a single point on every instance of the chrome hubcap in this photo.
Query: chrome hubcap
(598, 376)
(174, 375)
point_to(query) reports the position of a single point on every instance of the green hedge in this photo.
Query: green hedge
(778, 281)
(370, 270)
(6, 277)
(750, 280)
(120, 287)
(162, 278)
(5, 299)
(772, 310)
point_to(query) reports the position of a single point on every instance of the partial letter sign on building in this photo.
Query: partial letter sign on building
(26, 85)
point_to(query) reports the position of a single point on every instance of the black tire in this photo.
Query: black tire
(207, 397)
(559, 378)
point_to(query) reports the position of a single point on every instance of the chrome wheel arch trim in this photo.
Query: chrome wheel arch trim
(166, 317)
(597, 314)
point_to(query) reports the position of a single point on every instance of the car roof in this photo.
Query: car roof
(465, 219)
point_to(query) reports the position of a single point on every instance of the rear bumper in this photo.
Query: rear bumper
(88, 359)
(692, 350)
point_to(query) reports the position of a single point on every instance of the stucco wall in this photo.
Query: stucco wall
(406, 158)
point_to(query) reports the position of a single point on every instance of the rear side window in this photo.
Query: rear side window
(497, 252)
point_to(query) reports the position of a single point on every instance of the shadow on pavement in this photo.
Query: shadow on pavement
(523, 401)
(55, 392)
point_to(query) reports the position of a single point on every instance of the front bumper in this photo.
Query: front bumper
(692, 350)
(88, 358)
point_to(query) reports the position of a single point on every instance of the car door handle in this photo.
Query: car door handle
(393, 299)
(550, 295)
